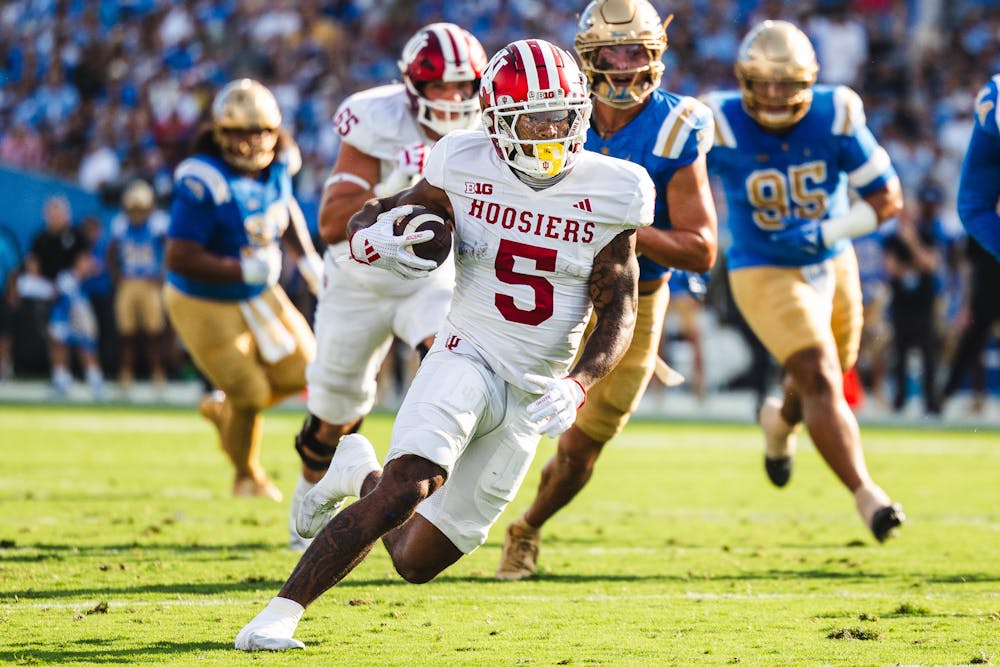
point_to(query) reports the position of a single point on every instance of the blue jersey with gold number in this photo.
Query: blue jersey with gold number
(669, 133)
(140, 246)
(228, 214)
(773, 180)
(979, 188)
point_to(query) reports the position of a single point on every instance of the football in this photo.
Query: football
(422, 218)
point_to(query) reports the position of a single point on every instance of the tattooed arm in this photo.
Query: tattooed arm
(615, 294)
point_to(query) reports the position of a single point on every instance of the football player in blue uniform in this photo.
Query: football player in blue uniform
(135, 262)
(787, 151)
(233, 204)
(979, 187)
(621, 45)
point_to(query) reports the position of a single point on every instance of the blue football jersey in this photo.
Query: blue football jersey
(773, 180)
(669, 133)
(140, 246)
(225, 212)
(979, 187)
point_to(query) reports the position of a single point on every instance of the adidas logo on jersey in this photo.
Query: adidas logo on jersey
(583, 204)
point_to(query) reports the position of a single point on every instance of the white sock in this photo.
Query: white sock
(360, 476)
(870, 498)
(280, 613)
(95, 377)
(286, 607)
(61, 377)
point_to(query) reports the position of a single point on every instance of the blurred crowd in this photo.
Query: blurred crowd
(104, 92)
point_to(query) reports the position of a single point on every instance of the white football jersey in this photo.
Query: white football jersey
(379, 122)
(524, 257)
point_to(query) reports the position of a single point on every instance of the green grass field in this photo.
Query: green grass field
(120, 544)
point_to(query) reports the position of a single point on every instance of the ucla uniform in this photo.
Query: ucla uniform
(771, 180)
(792, 298)
(979, 188)
(670, 132)
(139, 247)
(249, 340)
(226, 213)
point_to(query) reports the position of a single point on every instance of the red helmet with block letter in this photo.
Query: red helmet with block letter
(443, 52)
(776, 67)
(536, 107)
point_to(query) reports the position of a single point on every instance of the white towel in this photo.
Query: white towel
(273, 340)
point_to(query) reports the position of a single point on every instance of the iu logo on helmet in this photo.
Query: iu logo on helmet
(452, 342)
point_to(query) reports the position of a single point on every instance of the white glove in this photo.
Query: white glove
(556, 410)
(261, 266)
(310, 268)
(379, 246)
(410, 163)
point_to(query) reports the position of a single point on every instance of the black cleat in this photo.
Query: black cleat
(886, 521)
(779, 469)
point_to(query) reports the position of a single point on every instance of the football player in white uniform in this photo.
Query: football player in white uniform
(545, 234)
(386, 134)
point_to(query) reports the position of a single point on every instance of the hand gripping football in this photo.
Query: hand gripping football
(422, 218)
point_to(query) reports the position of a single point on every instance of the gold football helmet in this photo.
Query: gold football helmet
(138, 199)
(246, 119)
(617, 23)
(776, 67)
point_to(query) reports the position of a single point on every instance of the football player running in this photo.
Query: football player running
(543, 237)
(386, 133)
(979, 187)
(232, 206)
(786, 151)
(621, 45)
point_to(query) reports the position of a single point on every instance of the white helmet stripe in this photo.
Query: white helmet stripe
(447, 41)
(528, 60)
(549, 58)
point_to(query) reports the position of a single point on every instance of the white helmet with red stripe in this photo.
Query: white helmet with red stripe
(536, 107)
(443, 52)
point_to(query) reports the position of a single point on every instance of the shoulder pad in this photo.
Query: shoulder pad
(159, 222)
(986, 106)
(688, 115)
(292, 158)
(118, 225)
(376, 121)
(200, 180)
(848, 111)
(723, 134)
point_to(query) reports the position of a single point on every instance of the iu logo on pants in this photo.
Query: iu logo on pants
(452, 342)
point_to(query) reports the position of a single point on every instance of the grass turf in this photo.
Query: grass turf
(120, 544)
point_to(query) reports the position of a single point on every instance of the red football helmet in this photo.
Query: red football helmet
(542, 82)
(442, 52)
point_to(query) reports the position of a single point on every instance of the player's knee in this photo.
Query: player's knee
(407, 481)
(416, 575)
(813, 372)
